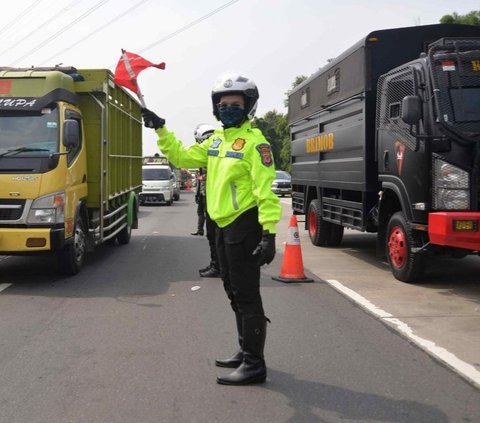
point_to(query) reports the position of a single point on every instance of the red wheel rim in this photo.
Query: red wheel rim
(312, 223)
(397, 247)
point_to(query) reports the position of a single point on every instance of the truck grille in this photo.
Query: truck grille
(11, 209)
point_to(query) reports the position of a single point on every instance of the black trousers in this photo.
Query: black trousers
(201, 210)
(239, 270)
(211, 235)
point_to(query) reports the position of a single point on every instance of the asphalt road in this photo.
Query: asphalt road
(128, 340)
(440, 313)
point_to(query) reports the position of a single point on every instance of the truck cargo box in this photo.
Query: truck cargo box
(114, 143)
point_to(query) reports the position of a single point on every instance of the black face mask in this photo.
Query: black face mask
(231, 116)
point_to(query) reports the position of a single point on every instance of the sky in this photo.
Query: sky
(269, 41)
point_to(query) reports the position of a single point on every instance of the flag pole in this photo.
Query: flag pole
(134, 78)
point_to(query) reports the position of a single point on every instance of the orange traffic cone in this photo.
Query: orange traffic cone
(292, 265)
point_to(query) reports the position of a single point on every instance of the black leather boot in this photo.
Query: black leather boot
(252, 369)
(199, 232)
(212, 272)
(204, 269)
(236, 359)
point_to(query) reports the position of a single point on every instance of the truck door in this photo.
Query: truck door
(403, 164)
(76, 180)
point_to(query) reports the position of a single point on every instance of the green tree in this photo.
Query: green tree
(472, 18)
(274, 126)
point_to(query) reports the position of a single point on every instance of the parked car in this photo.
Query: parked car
(176, 188)
(282, 184)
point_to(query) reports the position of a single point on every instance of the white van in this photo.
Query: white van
(157, 184)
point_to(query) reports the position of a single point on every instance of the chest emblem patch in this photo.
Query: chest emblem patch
(265, 154)
(238, 144)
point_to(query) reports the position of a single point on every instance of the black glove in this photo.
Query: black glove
(265, 251)
(151, 120)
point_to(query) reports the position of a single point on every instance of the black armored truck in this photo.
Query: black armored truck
(386, 138)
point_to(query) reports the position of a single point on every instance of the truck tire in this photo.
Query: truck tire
(71, 257)
(336, 235)
(405, 264)
(318, 229)
(123, 237)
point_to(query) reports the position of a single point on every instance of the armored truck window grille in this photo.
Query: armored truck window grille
(394, 111)
(392, 88)
(305, 98)
(333, 82)
(456, 80)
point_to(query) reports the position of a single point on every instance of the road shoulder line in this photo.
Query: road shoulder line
(462, 368)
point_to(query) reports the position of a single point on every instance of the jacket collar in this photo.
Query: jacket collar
(245, 126)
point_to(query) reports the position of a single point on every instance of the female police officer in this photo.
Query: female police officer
(241, 202)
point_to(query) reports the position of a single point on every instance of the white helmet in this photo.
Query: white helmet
(203, 131)
(234, 83)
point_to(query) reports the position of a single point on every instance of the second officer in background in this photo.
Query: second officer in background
(201, 133)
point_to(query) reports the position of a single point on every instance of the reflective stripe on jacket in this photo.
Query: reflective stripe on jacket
(240, 172)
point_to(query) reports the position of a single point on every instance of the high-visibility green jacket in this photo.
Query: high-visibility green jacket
(240, 172)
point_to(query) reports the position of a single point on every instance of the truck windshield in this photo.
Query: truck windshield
(456, 75)
(466, 104)
(29, 135)
(156, 174)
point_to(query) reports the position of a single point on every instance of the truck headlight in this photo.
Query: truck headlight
(48, 209)
(450, 187)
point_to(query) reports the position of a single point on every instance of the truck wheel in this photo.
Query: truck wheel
(406, 265)
(336, 235)
(318, 229)
(70, 259)
(123, 237)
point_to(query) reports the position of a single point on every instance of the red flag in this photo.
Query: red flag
(128, 68)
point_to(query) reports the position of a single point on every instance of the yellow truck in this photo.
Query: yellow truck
(70, 162)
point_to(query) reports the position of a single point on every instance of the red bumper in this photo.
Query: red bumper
(455, 229)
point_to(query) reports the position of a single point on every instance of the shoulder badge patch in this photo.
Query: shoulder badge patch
(265, 154)
(238, 144)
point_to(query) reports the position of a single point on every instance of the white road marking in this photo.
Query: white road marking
(451, 360)
(4, 286)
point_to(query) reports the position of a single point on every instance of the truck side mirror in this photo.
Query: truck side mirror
(71, 134)
(411, 109)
